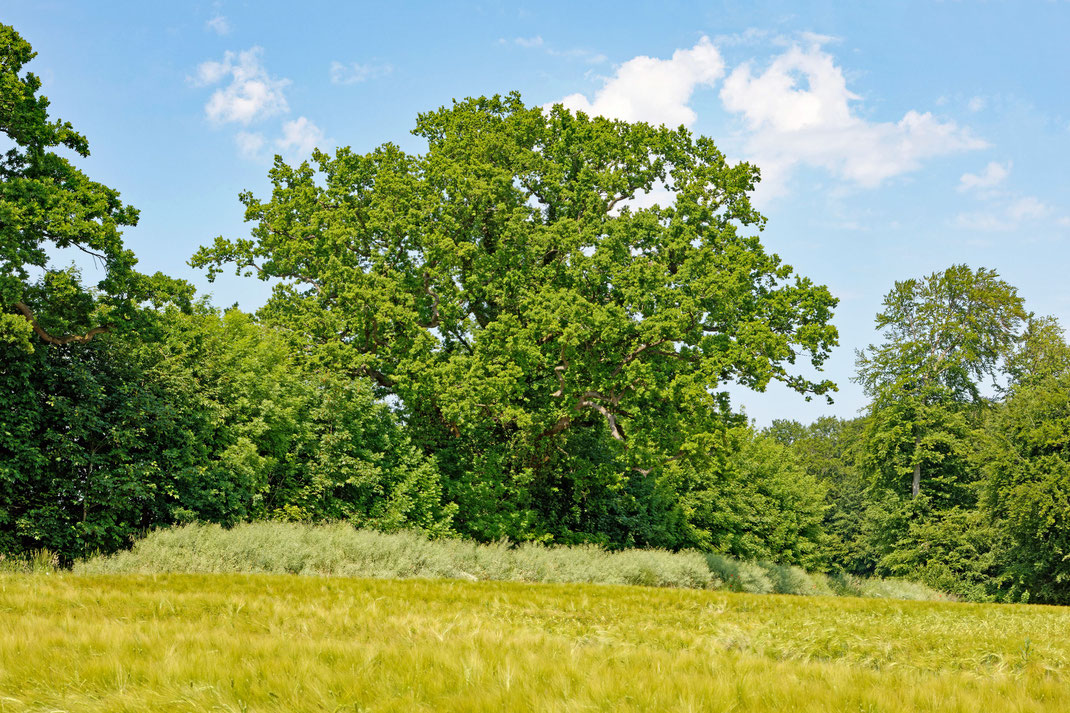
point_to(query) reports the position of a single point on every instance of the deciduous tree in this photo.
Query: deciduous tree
(505, 288)
(46, 203)
(944, 334)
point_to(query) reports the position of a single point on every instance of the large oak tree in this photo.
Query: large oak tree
(551, 339)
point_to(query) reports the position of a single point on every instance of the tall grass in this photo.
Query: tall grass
(341, 550)
(286, 644)
(40, 561)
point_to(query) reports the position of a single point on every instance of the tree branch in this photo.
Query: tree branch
(635, 354)
(379, 377)
(648, 471)
(285, 275)
(60, 341)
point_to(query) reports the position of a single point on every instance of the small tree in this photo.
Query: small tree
(944, 335)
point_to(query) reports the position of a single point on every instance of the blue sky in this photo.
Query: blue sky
(894, 139)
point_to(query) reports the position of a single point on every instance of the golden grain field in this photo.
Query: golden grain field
(287, 643)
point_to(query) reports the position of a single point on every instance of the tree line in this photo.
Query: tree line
(491, 340)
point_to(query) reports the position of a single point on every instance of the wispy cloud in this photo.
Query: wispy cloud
(249, 144)
(298, 138)
(1003, 210)
(218, 25)
(251, 95)
(537, 42)
(1008, 214)
(356, 72)
(1028, 208)
(993, 175)
(984, 221)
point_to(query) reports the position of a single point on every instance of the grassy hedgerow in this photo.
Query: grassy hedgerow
(274, 643)
(341, 550)
(37, 561)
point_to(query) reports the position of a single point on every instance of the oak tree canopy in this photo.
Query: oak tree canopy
(46, 203)
(506, 287)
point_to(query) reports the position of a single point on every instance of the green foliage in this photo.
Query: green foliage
(91, 447)
(209, 419)
(549, 343)
(1041, 354)
(1026, 460)
(828, 451)
(760, 505)
(943, 335)
(47, 203)
(948, 549)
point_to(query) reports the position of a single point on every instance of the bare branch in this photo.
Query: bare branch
(87, 251)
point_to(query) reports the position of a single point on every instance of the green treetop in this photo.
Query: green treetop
(45, 202)
(501, 286)
(944, 335)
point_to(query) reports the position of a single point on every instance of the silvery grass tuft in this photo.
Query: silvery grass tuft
(341, 550)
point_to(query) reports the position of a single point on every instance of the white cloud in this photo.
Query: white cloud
(218, 25)
(249, 144)
(1007, 216)
(773, 100)
(977, 104)
(210, 72)
(252, 94)
(356, 72)
(535, 41)
(986, 222)
(1028, 208)
(655, 90)
(581, 54)
(798, 112)
(993, 175)
(298, 138)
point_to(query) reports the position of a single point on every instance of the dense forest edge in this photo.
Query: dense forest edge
(489, 341)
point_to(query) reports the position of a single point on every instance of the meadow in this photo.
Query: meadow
(259, 642)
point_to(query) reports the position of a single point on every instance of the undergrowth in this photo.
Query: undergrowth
(341, 550)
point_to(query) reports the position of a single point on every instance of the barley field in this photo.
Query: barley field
(260, 642)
